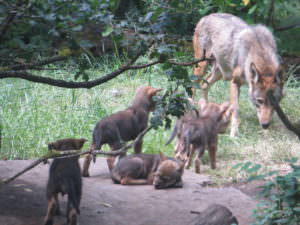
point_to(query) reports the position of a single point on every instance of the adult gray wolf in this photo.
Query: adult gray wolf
(124, 125)
(64, 178)
(243, 54)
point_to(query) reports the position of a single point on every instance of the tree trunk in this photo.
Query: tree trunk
(215, 215)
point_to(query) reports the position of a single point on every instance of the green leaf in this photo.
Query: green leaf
(107, 31)
(252, 9)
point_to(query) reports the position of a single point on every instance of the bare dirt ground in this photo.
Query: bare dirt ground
(23, 202)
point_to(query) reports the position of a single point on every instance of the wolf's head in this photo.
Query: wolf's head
(263, 78)
(168, 174)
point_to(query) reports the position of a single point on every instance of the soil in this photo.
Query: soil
(23, 201)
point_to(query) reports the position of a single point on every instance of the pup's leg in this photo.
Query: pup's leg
(191, 152)
(57, 211)
(132, 181)
(86, 165)
(71, 215)
(51, 210)
(200, 151)
(138, 147)
(212, 148)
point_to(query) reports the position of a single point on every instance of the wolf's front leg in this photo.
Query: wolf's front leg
(234, 99)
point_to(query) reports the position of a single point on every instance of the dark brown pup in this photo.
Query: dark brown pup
(199, 133)
(158, 170)
(123, 126)
(64, 178)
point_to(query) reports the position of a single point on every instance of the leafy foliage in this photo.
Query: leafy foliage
(282, 194)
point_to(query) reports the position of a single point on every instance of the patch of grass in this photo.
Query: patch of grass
(34, 114)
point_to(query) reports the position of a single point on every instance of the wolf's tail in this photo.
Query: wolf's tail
(174, 132)
(73, 197)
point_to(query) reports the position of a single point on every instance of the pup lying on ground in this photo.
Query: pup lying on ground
(123, 126)
(158, 170)
(64, 178)
(198, 133)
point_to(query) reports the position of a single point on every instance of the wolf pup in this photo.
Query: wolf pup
(64, 178)
(123, 126)
(243, 54)
(158, 170)
(210, 109)
(202, 132)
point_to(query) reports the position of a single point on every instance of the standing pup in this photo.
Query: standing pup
(243, 54)
(123, 126)
(64, 178)
(210, 109)
(201, 133)
(158, 170)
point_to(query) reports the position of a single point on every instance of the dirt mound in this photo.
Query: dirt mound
(24, 202)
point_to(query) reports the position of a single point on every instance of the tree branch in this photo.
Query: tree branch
(73, 153)
(37, 64)
(282, 116)
(20, 72)
(287, 27)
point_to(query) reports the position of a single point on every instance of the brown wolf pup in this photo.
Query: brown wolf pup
(202, 132)
(243, 54)
(125, 125)
(161, 171)
(211, 109)
(64, 178)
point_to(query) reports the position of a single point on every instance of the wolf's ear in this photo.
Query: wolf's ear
(279, 76)
(254, 73)
(162, 156)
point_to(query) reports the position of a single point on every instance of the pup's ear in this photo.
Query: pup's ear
(202, 103)
(51, 146)
(181, 167)
(153, 91)
(79, 143)
(162, 156)
(225, 106)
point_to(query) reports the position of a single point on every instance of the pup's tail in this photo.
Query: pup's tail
(174, 132)
(73, 197)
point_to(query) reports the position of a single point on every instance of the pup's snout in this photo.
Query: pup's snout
(265, 125)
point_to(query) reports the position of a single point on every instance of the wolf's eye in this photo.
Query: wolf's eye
(260, 101)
